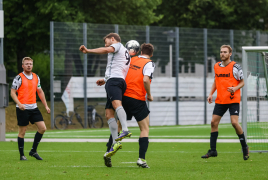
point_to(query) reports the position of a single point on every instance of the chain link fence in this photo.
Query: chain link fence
(183, 76)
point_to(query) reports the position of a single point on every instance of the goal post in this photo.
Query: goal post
(254, 97)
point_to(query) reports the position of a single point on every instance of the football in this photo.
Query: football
(133, 47)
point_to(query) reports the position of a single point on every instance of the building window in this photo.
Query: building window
(180, 67)
(192, 67)
(163, 69)
(186, 68)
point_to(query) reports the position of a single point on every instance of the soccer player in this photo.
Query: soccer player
(228, 81)
(134, 101)
(115, 85)
(26, 84)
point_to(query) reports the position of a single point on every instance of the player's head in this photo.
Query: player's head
(147, 49)
(27, 64)
(111, 38)
(225, 52)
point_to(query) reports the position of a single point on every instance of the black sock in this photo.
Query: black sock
(213, 140)
(109, 143)
(144, 143)
(37, 140)
(242, 140)
(21, 145)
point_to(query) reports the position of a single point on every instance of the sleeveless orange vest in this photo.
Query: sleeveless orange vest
(134, 80)
(224, 78)
(27, 90)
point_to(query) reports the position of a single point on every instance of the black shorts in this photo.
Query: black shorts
(220, 109)
(32, 115)
(136, 108)
(115, 88)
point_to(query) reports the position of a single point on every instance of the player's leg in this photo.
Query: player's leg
(218, 112)
(108, 160)
(115, 88)
(234, 112)
(23, 121)
(109, 113)
(214, 131)
(37, 119)
(122, 117)
(121, 114)
(22, 131)
(143, 142)
(141, 113)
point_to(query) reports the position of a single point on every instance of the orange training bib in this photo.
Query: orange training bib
(224, 78)
(134, 80)
(27, 90)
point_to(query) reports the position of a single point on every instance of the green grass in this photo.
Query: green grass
(167, 161)
(226, 131)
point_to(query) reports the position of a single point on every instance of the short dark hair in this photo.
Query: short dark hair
(147, 48)
(115, 35)
(227, 46)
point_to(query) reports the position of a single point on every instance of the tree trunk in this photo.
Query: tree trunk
(20, 55)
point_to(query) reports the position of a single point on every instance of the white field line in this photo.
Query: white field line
(50, 151)
(128, 162)
(92, 166)
(78, 136)
(131, 140)
(135, 129)
(136, 140)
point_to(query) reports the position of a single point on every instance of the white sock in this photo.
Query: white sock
(113, 128)
(121, 114)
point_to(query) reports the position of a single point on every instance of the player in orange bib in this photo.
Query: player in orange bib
(26, 84)
(228, 81)
(138, 82)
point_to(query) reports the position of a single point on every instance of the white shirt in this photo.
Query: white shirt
(148, 69)
(118, 62)
(237, 71)
(17, 83)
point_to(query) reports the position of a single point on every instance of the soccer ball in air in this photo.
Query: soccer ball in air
(133, 47)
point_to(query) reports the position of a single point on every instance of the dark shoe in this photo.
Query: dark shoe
(245, 153)
(23, 158)
(34, 154)
(107, 160)
(210, 154)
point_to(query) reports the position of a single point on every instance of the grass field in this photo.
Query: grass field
(167, 161)
(226, 131)
(75, 160)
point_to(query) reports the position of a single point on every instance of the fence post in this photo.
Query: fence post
(116, 29)
(147, 34)
(232, 42)
(177, 75)
(258, 80)
(148, 41)
(205, 73)
(51, 74)
(85, 75)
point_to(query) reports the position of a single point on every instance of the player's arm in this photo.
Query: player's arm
(213, 89)
(101, 50)
(148, 74)
(15, 98)
(147, 84)
(240, 85)
(42, 97)
(238, 74)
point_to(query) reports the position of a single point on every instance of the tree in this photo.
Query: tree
(27, 22)
(216, 14)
